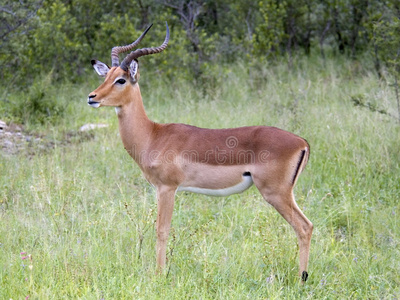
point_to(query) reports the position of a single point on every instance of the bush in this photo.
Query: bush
(37, 105)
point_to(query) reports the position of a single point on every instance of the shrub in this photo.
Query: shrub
(37, 105)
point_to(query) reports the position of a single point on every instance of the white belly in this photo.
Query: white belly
(236, 189)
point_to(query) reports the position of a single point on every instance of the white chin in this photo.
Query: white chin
(95, 105)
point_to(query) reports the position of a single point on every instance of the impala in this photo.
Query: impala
(217, 162)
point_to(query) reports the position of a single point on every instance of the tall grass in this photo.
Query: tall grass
(83, 216)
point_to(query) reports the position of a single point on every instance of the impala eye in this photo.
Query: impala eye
(121, 81)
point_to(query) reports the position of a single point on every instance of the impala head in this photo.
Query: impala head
(120, 78)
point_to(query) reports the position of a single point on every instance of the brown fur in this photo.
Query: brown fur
(179, 155)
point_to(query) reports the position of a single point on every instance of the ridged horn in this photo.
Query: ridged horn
(144, 51)
(121, 49)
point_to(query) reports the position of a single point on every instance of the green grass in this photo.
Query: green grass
(85, 214)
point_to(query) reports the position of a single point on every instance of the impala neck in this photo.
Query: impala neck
(134, 126)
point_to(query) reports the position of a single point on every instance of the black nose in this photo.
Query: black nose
(92, 96)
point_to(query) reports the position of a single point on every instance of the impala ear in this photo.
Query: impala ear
(133, 71)
(100, 68)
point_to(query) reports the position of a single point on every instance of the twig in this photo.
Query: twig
(396, 88)
(396, 69)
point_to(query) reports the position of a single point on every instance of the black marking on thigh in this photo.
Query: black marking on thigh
(303, 152)
(246, 174)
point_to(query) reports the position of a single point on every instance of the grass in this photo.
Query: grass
(83, 215)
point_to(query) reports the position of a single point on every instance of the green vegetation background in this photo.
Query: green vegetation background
(77, 217)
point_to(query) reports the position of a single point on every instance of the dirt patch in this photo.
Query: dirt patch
(14, 139)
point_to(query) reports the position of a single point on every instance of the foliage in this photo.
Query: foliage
(270, 34)
(63, 35)
(387, 39)
(38, 105)
(386, 32)
(17, 18)
(60, 37)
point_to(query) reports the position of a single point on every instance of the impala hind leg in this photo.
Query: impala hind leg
(285, 204)
(165, 207)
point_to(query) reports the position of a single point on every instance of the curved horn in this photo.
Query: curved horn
(120, 49)
(144, 51)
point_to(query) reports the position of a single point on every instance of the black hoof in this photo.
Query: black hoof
(304, 276)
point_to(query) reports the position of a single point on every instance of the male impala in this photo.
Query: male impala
(218, 162)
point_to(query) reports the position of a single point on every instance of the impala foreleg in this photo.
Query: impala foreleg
(165, 207)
